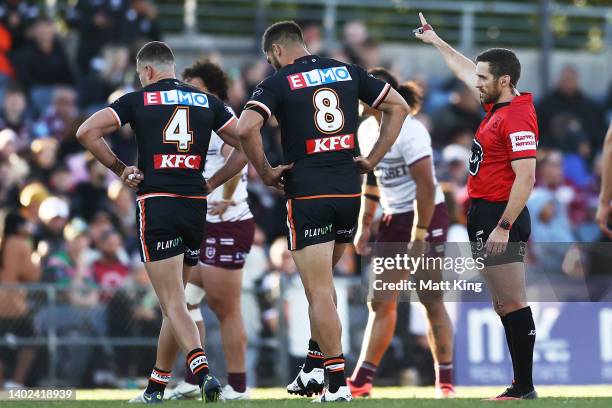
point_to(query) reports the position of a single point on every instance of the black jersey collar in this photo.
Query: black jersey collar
(498, 105)
(306, 58)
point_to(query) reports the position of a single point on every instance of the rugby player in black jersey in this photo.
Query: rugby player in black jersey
(173, 122)
(316, 101)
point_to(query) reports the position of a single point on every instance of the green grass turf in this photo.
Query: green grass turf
(387, 397)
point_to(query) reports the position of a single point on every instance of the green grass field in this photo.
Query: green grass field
(387, 397)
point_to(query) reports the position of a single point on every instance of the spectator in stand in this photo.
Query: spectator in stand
(53, 213)
(90, 196)
(30, 198)
(98, 23)
(567, 110)
(17, 16)
(14, 116)
(550, 178)
(7, 74)
(122, 206)
(19, 264)
(312, 38)
(13, 169)
(101, 82)
(140, 23)
(460, 117)
(111, 270)
(43, 62)
(43, 158)
(61, 120)
(354, 34)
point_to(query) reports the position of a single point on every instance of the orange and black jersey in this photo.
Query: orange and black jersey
(173, 122)
(316, 102)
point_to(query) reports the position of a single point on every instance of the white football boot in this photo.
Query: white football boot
(342, 395)
(306, 384)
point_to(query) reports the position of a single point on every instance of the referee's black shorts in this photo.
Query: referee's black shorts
(483, 217)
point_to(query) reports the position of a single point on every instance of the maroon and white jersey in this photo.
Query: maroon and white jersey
(214, 161)
(397, 188)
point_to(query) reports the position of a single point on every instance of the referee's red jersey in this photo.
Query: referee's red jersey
(508, 132)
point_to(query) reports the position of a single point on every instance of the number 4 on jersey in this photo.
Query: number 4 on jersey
(177, 130)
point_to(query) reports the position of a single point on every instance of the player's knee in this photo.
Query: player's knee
(323, 298)
(223, 306)
(383, 308)
(504, 308)
(433, 304)
(193, 294)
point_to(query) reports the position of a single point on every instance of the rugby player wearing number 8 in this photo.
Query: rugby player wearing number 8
(316, 102)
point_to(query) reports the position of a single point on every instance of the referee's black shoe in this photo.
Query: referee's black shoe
(515, 393)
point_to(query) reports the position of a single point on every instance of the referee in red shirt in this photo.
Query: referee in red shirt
(502, 175)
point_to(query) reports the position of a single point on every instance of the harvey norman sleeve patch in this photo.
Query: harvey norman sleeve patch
(523, 140)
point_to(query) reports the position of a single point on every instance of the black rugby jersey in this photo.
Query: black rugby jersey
(316, 102)
(173, 123)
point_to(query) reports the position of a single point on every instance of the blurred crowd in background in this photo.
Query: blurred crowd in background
(67, 220)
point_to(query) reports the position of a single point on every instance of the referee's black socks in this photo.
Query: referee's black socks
(520, 335)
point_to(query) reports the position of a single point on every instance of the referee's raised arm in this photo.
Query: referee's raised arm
(463, 67)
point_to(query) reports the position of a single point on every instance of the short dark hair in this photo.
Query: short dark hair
(282, 32)
(212, 75)
(502, 62)
(156, 52)
(412, 94)
(384, 75)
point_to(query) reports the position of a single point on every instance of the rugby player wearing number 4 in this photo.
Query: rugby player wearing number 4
(173, 122)
(502, 175)
(316, 102)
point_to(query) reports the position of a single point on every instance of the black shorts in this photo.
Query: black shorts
(483, 217)
(170, 225)
(313, 220)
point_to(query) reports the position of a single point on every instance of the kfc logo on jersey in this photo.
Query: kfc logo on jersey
(523, 140)
(176, 97)
(330, 144)
(317, 77)
(177, 161)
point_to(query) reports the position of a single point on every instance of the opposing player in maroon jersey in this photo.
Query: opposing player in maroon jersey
(316, 102)
(502, 175)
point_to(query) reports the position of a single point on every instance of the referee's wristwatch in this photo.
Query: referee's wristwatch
(505, 224)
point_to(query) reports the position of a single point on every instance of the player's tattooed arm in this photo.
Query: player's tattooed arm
(249, 129)
(463, 67)
(395, 109)
(91, 135)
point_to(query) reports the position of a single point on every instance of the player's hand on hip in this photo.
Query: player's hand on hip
(275, 177)
(497, 242)
(602, 217)
(219, 207)
(365, 166)
(425, 32)
(361, 242)
(132, 176)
